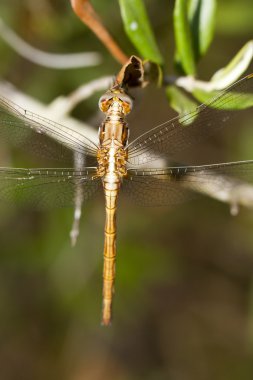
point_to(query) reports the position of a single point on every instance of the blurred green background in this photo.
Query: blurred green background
(183, 301)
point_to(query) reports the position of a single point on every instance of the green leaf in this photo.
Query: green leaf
(153, 73)
(179, 101)
(241, 100)
(204, 91)
(230, 98)
(184, 45)
(138, 29)
(236, 67)
(201, 14)
(225, 77)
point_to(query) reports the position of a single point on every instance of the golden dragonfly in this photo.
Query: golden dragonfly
(114, 163)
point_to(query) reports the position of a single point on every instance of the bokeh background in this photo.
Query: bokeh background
(183, 301)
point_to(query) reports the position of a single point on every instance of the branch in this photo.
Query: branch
(225, 189)
(10, 92)
(89, 17)
(57, 61)
(63, 105)
(189, 83)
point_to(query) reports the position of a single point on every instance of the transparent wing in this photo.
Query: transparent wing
(172, 137)
(156, 187)
(40, 135)
(154, 192)
(47, 188)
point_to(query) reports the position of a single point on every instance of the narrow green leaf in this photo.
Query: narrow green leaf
(201, 14)
(184, 45)
(152, 73)
(236, 67)
(241, 100)
(204, 91)
(179, 101)
(138, 29)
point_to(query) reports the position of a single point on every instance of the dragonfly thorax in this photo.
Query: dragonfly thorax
(113, 136)
(112, 160)
(114, 127)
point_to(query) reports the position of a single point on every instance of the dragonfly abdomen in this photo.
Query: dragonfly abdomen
(109, 249)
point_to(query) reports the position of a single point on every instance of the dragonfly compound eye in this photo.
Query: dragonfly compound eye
(105, 101)
(127, 103)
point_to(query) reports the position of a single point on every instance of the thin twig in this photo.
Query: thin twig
(189, 83)
(63, 105)
(225, 189)
(89, 17)
(79, 163)
(10, 92)
(57, 61)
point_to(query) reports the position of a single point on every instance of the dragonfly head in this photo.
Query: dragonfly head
(116, 96)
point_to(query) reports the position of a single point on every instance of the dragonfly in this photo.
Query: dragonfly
(114, 163)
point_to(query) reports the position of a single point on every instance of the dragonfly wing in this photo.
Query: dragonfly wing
(150, 190)
(47, 188)
(228, 182)
(40, 135)
(180, 133)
